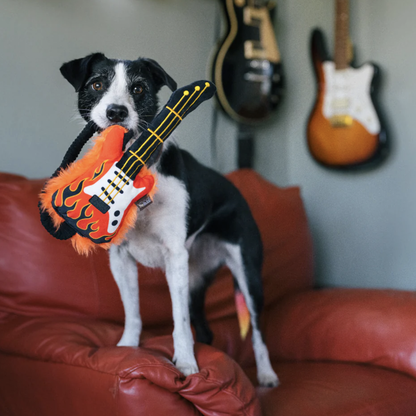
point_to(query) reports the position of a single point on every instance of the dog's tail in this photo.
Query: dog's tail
(243, 313)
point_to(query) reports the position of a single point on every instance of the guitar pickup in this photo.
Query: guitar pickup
(251, 76)
(341, 121)
(99, 204)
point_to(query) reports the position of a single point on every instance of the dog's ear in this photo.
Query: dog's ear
(77, 71)
(160, 77)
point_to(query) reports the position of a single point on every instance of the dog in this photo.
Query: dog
(197, 223)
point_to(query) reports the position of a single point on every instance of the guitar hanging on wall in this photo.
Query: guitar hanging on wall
(246, 68)
(344, 129)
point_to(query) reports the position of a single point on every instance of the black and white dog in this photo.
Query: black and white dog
(198, 220)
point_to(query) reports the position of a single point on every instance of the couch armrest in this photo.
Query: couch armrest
(71, 353)
(356, 325)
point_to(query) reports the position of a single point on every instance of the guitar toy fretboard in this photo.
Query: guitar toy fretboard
(181, 103)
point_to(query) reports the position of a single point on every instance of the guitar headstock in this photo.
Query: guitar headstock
(182, 102)
(186, 99)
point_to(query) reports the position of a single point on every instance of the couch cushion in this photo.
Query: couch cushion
(370, 326)
(40, 275)
(287, 243)
(338, 389)
(67, 366)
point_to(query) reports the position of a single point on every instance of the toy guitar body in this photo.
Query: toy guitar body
(111, 183)
(247, 67)
(95, 204)
(344, 129)
(94, 195)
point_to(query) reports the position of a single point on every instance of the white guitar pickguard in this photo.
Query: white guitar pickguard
(121, 197)
(348, 94)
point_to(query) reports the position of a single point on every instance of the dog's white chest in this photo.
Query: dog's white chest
(161, 227)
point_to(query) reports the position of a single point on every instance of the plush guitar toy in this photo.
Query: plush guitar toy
(91, 201)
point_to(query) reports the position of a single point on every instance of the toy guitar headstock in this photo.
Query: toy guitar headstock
(182, 102)
(186, 99)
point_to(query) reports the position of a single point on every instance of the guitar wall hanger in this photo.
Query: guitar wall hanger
(90, 201)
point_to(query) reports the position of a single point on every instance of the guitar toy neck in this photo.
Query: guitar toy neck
(182, 102)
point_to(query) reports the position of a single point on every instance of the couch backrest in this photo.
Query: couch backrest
(40, 275)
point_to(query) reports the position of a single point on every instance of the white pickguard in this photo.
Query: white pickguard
(121, 199)
(348, 93)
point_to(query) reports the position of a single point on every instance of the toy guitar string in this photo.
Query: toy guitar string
(90, 200)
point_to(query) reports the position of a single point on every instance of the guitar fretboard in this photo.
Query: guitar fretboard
(342, 40)
(180, 104)
(256, 3)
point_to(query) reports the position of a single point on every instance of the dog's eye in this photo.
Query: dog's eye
(97, 86)
(137, 89)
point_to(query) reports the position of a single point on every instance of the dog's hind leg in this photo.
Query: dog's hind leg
(197, 304)
(206, 256)
(247, 277)
(124, 269)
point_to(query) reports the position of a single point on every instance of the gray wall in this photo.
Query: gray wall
(38, 118)
(364, 224)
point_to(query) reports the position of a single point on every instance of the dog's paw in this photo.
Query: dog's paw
(128, 340)
(187, 367)
(268, 379)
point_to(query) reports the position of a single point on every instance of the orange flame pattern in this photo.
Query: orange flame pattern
(64, 194)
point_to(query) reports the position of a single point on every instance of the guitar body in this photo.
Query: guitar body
(95, 203)
(246, 68)
(344, 129)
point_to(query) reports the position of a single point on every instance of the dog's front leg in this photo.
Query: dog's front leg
(124, 269)
(177, 276)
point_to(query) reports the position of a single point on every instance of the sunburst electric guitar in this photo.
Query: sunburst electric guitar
(344, 129)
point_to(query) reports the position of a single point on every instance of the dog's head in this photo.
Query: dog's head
(117, 92)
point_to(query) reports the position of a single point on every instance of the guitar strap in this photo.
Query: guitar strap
(65, 231)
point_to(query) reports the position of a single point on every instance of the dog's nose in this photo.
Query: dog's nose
(117, 113)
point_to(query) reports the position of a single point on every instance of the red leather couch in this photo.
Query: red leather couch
(336, 351)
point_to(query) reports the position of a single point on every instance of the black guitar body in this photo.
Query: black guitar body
(246, 68)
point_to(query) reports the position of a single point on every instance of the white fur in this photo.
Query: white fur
(124, 269)
(117, 94)
(158, 240)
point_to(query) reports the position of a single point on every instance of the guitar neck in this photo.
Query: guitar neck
(182, 102)
(342, 38)
(256, 3)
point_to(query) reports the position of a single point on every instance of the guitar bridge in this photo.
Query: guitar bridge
(341, 121)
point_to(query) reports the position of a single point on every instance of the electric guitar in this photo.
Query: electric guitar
(344, 128)
(96, 202)
(247, 68)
